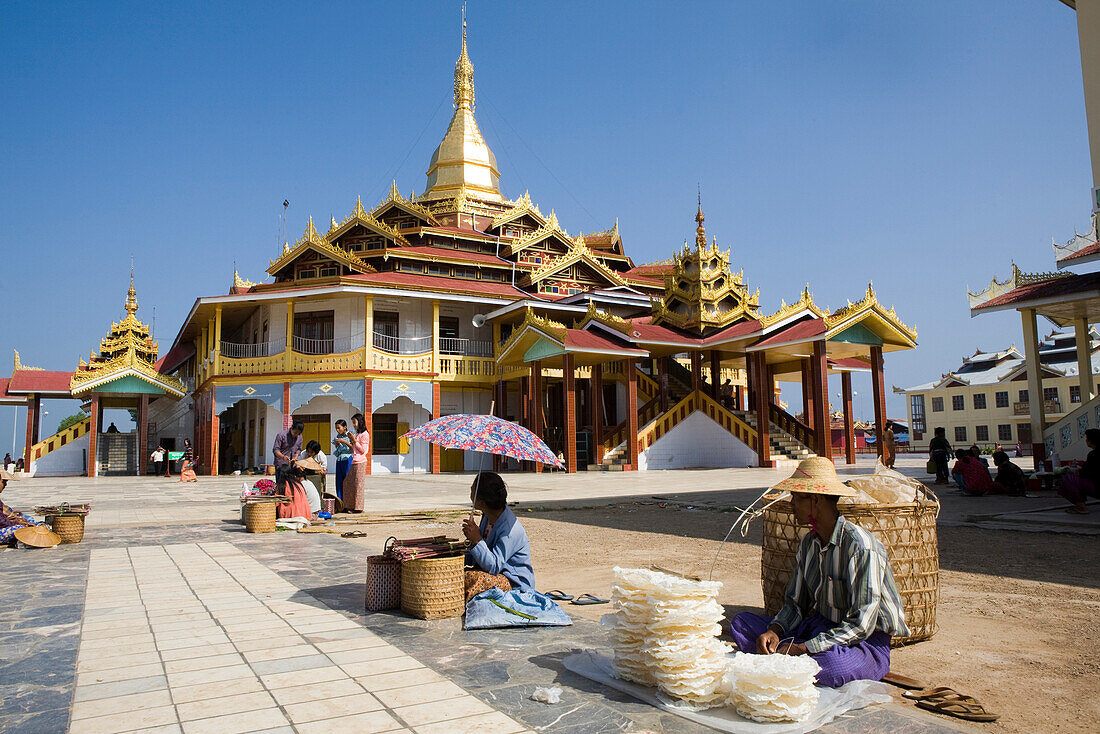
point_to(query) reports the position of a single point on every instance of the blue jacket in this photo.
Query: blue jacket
(505, 551)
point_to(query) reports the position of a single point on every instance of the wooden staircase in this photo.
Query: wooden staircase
(786, 450)
(59, 439)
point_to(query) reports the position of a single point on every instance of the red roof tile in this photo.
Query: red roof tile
(1066, 285)
(429, 251)
(176, 356)
(27, 381)
(4, 388)
(581, 340)
(653, 270)
(435, 282)
(794, 332)
(655, 333)
(1087, 251)
(850, 363)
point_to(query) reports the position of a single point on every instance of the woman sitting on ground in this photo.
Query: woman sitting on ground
(971, 474)
(1010, 478)
(288, 483)
(314, 484)
(11, 520)
(500, 554)
(1077, 488)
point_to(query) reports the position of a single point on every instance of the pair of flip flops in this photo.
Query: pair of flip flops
(948, 701)
(582, 600)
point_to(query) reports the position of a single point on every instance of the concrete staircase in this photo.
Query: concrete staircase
(785, 450)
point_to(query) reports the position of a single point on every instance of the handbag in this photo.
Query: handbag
(930, 466)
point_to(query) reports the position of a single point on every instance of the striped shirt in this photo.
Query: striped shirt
(848, 581)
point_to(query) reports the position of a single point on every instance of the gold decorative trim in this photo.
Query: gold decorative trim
(396, 199)
(578, 252)
(804, 302)
(522, 206)
(311, 240)
(20, 366)
(530, 318)
(239, 282)
(1019, 278)
(869, 303)
(606, 318)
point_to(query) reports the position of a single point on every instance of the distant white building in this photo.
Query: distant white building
(986, 400)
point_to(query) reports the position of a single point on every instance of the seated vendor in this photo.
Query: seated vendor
(314, 485)
(11, 520)
(1010, 478)
(841, 606)
(500, 554)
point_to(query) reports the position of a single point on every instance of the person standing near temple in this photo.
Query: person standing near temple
(157, 458)
(889, 448)
(341, 452)
(355, 485)
(187, 468)
(288, 444)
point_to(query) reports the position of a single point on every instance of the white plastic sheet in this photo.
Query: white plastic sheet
(831, 703)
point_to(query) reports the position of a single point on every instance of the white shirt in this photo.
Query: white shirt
(320, 458)
(158, 456)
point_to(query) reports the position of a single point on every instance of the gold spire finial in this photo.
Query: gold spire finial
(700, 231)
(464, 74)
(131, 295)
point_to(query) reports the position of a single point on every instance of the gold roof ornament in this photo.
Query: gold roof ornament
(241, 283)
(311, 240)
(702, 293)
(805, 302)
(396, 199)
(463, 159)
(869, 302)
(606, 318)
(530, 318)
(1018, 278)
(20, 366)
(127, 349)
(520, 207)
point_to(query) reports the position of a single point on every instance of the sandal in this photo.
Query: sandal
(902, 681)
(558, 595)
(942, 693)
(587, 599)
(961, 707)
(353, 534)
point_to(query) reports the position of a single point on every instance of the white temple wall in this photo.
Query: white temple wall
(697, 443)
(67, 461)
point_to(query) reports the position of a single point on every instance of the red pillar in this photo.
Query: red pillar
(536, 405)
(215, 435)
(368, 417)
(849, 424)
(807, 392)
(596, 405)
(760, 393)
(93, 438)
(715, 376)
(878, 390)
(696, 371)
(569, 395)
(143, 435)
(819, 367)
(435, 414)
(287, 420)
(631, 414)
(34, 404)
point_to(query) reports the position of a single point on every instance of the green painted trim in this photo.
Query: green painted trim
(542, 349)
(858, 334)
(130, 384)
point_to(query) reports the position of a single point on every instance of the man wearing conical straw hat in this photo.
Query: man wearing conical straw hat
(841, 606)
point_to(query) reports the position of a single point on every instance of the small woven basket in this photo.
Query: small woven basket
(907, 530)
(383, 583)
(433, 588)
(259, 517)
(70, 528)
(328, 505)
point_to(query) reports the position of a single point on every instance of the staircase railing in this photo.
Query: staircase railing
(798, 430)
(60, 438)
(725, 418)
(696, 401)
(647, 386)
(614, 436)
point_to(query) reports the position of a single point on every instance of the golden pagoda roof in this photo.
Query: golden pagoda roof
(395, 199)
(311, 240)
(463, 160)
(578, 252)
(703, 293)
(128, 349)
(520, 207)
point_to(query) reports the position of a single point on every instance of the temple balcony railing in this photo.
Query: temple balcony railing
(465, 347)
(341, 345)
(251, 351)
(403, 345)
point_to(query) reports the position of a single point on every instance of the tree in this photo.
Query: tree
(71, 420)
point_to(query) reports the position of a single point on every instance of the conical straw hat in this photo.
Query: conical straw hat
(37, 536)
(815, 475)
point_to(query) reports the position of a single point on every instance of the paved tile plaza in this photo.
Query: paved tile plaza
(176, 626)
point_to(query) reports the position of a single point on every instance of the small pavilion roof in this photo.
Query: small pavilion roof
(1060, 297)
(40, 382)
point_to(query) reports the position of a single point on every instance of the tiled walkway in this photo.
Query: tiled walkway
(203, 638)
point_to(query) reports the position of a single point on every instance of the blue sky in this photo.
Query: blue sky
(924, 146)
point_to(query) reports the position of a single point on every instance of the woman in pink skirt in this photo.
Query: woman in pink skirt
(355, 484)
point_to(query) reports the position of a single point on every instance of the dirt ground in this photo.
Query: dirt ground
(1017, 616)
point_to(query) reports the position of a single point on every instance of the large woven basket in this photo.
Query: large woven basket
(383, 583)
(259, 517)
(70, 528)
(907, 530)
(433, 588)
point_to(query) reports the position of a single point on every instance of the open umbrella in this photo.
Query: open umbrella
(488, 434)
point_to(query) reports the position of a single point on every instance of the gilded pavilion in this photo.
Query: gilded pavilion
(461, 300)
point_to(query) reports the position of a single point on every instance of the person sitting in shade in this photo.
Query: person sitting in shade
(971, 474)
(309, 461)
(841, 606)
(1077, 487)
(499, 550)
(1010, 478)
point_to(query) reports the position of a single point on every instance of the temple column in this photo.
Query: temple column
(435, 448)
(819, 367)
(569, 397)
(536, 405)
(849, 424)
(218, 339)
(287, 419)
(1034, 386)
(807, 393)
(34, 406)
(93, 438)
(288, 353)
(878, 393)
(696, 371)
(758, 374)
(368, 330)
(631, 414)
(368, 418)
(716, 376)
(596, 406)
(1084, 358)
(215, 435)
(143, 435)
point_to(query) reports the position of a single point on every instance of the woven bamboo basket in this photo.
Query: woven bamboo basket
(383, 583)
(433, 588)
(907, 530)
(70, 528)
(259, 517)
